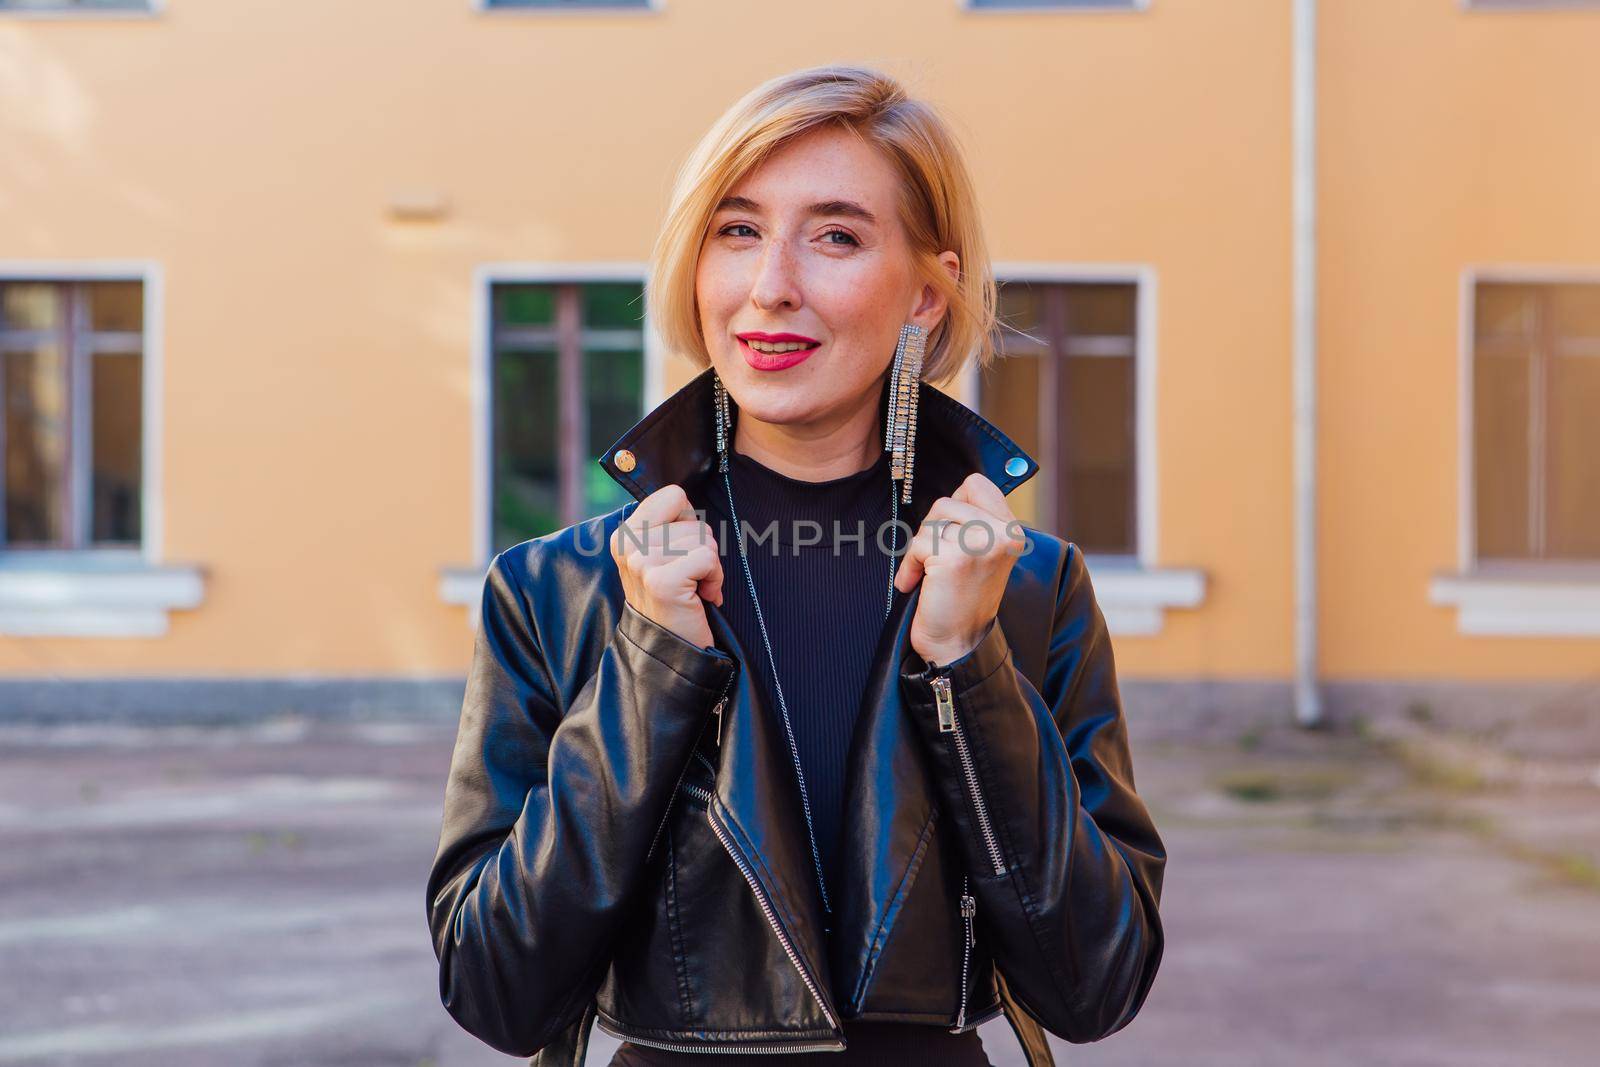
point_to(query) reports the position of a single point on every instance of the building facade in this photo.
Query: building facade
(305, 312)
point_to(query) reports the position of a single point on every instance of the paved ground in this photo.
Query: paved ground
(255, 898)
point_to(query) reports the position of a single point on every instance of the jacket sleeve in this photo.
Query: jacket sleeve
(550, 812)
(1065, 862)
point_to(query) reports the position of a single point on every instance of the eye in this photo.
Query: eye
(849, 238)
(727, 230)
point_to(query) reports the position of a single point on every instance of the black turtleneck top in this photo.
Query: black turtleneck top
(824, 605)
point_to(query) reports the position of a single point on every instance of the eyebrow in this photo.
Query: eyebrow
(847, 208)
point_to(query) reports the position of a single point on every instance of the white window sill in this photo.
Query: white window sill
(1135, 599)
(1552, 601)
(92, 594)
(463, 587)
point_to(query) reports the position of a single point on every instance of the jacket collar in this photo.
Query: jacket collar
(676, 444)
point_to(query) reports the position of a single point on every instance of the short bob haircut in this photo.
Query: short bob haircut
(938, 208)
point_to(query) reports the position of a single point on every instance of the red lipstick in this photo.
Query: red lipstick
(776, 360)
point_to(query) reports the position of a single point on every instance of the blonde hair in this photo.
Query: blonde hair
(938, 207)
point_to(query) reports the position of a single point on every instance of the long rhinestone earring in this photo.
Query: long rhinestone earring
(719, 403)
(900, 430)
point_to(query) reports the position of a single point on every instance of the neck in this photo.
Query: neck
(817, 451)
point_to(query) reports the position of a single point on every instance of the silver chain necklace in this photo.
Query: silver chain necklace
(788, 729)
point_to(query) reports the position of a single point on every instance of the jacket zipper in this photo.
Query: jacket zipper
(766, 910)
(969, 908)
(672, 798)
(665, 815)
(945, 702)
(722, 703)
(708, 1046)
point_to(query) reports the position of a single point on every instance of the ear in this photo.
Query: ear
(930, 305)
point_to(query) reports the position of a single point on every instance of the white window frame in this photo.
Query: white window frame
(1134, 591)
(105, 592)
(463, 585)
(151, 9)
(1526, 598)
(1537, 5)
(650, 7)
(1070, 7)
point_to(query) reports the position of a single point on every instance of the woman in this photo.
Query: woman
(744, 766)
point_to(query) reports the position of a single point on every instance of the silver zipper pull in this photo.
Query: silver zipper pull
(945, 703)
(722, 703)
(969, 908)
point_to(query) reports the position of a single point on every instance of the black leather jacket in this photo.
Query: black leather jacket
(622, 838)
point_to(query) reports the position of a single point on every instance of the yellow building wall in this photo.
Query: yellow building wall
(1451, 138)
(317, 425)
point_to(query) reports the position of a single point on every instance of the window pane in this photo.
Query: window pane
(118, 437)
(1100, 310)
(1504, 311)
(613, 305)
(1021, 309)
(1577, 311)
(1095, 461)
(1010, 399)
(527, 499)
(35, 442)
(614, 386)
(1500, 453)
(116, 305)
(1572, 524)
(525, 305)
(1083, 370)
(30, 306)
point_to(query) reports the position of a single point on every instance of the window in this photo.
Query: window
(1065, 390)
(1535, 435)
(568, 380)
(76, 5)
(71, 414)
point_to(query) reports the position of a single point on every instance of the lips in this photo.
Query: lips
(777, 338)
(771, 361)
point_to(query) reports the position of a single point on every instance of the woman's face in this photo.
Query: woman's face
(810, 245)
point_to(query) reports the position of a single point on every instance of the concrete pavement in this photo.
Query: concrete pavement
(254, 896)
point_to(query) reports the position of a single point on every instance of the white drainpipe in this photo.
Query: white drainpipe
(1307, 697)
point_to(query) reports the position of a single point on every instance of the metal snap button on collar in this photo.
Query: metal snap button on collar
(624, 460)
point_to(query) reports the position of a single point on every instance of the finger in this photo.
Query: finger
(983, 493)
(965, 529)
(949, 508)
(711, 585)
(914, 563)
(671, 538)
(680, 533)
(683, 574)
(664, 505)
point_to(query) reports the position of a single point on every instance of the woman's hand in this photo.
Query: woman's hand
(963, 554)
(669, 564)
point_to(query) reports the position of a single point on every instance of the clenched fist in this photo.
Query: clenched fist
(669, 564)
(962, 555)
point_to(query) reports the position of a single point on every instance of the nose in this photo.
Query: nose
(776, 284)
